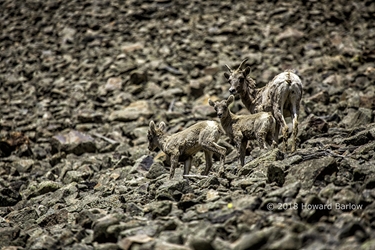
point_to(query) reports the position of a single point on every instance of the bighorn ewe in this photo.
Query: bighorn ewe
(241, 128)
(182, 146)
(282, 94)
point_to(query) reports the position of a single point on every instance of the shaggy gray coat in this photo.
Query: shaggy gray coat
(282, 95)
(182, 146)
(242, 128)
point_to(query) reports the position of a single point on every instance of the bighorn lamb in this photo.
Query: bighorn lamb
(182, 146)
(241, 128)
(282, 94)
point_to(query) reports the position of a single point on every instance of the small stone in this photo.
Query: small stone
(311, 170)
(9, 197)
(100, 227)
(212, 195)
(73, 142)
(289, 33)
(157, 169)
(113, 83)
(132, 112)
(131, 47)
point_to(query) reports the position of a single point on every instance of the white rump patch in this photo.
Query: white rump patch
(211, 125)
(282, 77)
(264, 116)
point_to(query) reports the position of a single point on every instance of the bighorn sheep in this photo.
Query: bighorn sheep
(241, 128)
(282, 94)
(182, 146)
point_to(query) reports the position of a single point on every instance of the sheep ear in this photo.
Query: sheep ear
(152, 126)
(246, 71)
(162, 126)
(211, 103)
(226, 75)
(230, 99)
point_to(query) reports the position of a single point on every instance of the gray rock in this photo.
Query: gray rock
(361, 171)
(9, 197)
(79, 246)
(360, 138)
(132, 112)
(312, 126)
(256, 239)
(247, 202)
(158, 208)
(8, 235)
(41, 188)
(142, 165)
(97, 202)
(246, 182)
(149, 230)
(209, 182)
(172, 186)
(133, 209)
(356, 118)
(287, 191)
(89, 116)
(161, 245)
(353, 228)
(23, 165)
(75, 176)
(329, 191)
(22, 215)
(79, 86)
(263, 161)
(157, 169)
(85, 218)
(106, 246)
(52, 218)
(314, 208)
(100, 227)
(41, 241)
(345, 198)
(289, 241)
(172, 237)
(198, 243)
(73, 142)
(368, 244)
(196, 86)
(309, 171)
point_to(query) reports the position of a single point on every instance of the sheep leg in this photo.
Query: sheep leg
(242, 152)
(276, 134)
(222, 161)
(214, 147)
(262, 137)
(273, 133)
(285, 137)
(187, 165)
(208, 157)
(174, 164)
(238, 144)
(278, 113)
(275, 138)
(295, 111)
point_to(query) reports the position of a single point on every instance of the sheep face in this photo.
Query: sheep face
(155, 132)
(237, 78)
(221, 107)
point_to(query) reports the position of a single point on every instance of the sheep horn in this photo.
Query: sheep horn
(242, 63)
(230, 70)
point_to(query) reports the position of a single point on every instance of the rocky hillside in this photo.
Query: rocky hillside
(81, 80)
